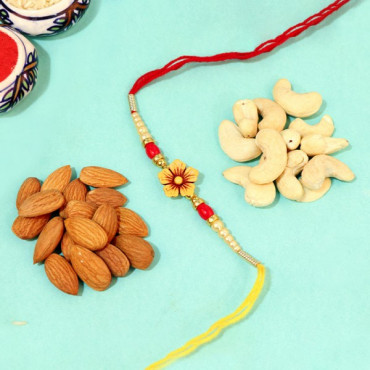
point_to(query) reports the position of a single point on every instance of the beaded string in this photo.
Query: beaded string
(180, 180)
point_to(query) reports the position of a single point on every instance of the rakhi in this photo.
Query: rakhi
(178, 179)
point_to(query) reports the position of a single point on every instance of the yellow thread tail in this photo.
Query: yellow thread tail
(218, 326)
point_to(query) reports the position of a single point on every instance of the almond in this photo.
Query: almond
(41, 203)
(49, 239)
(86, 233)
(139, 252)
(116, 261)
(100, 177)
(61, 274)
(90, 268)
(78, 208)
(106, 217)
(29, 227)
(106, 196)
(75, 190)
(129, 222)
(66, 244)
(30, 186)
(58, 180)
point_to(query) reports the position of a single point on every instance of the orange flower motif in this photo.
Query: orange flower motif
(178, 179)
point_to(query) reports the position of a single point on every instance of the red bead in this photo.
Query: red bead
(205, 211)
(152, 150)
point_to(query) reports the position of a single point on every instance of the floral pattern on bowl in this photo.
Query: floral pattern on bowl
(44, 22)
(23, 75)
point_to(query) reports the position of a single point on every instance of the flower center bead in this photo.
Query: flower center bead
(178, 180)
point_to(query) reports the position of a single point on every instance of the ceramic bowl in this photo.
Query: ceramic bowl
(48, 21)
(18, 68)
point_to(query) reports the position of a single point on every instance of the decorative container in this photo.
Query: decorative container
(46, 21)
(18, 68)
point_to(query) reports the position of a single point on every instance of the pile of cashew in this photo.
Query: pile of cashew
(299, 150)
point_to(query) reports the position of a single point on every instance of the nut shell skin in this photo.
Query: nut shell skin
(139, 252)
(100, 177)
(49, 239)
(255, 194)
(234, 145)
(273, 116)
(322, 166)
(61, 274)
(274, 157)
(115, 259)
(296, 104)
(29, 187)
(90, 268)
(29, 227)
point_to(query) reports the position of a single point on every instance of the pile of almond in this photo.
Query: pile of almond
(98, 237)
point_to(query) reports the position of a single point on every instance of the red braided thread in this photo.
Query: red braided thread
(263, 48)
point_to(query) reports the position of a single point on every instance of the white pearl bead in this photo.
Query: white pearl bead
(223, 232)
(217, 225)
(142, 130)
(145, 136)
(229, 239)
(233, 243)
(237, 249)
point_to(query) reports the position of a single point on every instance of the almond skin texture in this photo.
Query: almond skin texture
(29, 227)
(78, 208)
(90, 268)
(75, 190)
(29, 187)
(139, 252)
(41, 203)
(61, 274)
(129, 222)
(106, 217)
(66, 244)
(86, 233)
(100, 177)
(49, 239)
(109, 196)
(58, 180)
(116, 261)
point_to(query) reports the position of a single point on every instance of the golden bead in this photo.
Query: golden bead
(233, 244)
(217, 225)
(237, 249)
(160, 161)
(223, 232)
(147, 141)
(142, 130)
(145, 136)
(212, 219)
(196, 201)
(228, 239)
(139, 124)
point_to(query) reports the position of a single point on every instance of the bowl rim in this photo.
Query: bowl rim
(4, 85)
(38, 14)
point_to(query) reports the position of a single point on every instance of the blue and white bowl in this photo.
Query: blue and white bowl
(23, 75)
(47, 21)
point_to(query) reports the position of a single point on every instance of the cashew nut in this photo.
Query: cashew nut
(236, 146)
(322, 166)
(312, 195)
(318, 144)
(287, 183)
(246, 117)
(292, 138)
(296, 104)
(256, 195)
(325, 127)
(274, 157)
(273, 116)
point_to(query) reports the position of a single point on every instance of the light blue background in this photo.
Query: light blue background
(315, 311)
